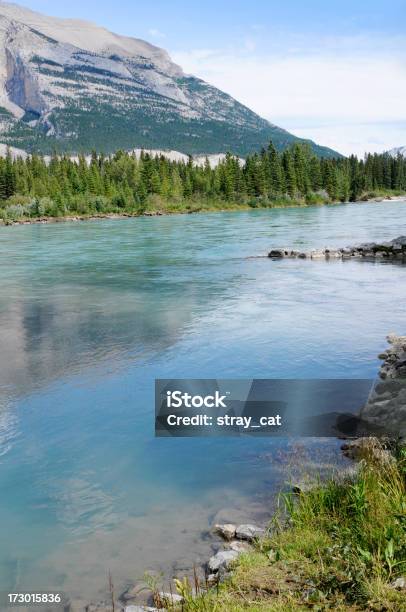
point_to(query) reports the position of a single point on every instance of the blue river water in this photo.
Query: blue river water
(91, 313)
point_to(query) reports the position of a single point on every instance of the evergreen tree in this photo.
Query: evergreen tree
(124, 181)
(290, 174)
(277, 179)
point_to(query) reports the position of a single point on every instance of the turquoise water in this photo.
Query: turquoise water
(91, 313)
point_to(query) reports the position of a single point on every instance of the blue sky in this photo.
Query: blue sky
(333, 71)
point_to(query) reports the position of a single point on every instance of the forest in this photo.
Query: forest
(124, 183)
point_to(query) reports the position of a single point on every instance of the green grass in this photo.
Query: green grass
(337, 546)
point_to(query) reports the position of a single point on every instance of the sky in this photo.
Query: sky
(333, 71)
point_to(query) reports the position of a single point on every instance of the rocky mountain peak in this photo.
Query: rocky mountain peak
(71, 85)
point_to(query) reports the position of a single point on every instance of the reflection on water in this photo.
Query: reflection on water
(8, 428)
(91, 313)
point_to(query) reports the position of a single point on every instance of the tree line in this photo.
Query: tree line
(61, 185)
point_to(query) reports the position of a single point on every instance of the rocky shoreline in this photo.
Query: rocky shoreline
(392, 250)
(98, 217)
(237, 539)
(387, 401)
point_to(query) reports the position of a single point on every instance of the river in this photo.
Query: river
(91, 313)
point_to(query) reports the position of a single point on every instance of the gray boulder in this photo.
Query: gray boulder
(317, 254)
(239, 546)
(386, 405)
(276, 253)
(171, 598)
(249, 532)
(394, 249)
(332, 254)
(227, 530)
(222, 560)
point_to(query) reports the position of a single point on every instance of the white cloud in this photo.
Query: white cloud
(353, 100)
(357, 138)
(156, 33)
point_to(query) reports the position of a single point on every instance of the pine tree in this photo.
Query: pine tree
(277, 179)
(290, 175)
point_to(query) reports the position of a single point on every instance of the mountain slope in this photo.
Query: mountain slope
(397, 151)
(74, 86)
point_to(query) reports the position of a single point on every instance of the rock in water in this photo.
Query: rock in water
(317, 254)
(249, 532)
(276, 253)
(386, 405)
(227, 531)
(239, 546)
(395, 249)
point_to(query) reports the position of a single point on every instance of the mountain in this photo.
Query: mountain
(214, 159)
(70, 85)
(397, 151)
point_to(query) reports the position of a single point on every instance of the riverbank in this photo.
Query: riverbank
(338, 543)
(193, 207)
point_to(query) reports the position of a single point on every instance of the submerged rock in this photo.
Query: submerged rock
(131, 593)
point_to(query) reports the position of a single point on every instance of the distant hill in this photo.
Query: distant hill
(198, 160)
(73, 86)
(396, 151)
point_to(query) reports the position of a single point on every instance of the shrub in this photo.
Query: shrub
(17, 198)
(101, 204)
(118, 201)
(15, 211)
